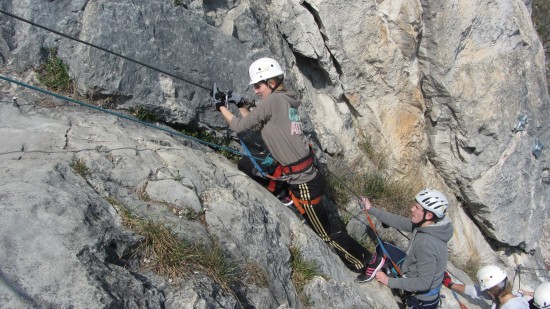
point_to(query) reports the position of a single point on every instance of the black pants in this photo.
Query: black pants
(348, 249)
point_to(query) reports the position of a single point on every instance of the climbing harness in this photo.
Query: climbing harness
(298, 202)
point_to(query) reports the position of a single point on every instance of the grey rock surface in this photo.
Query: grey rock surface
(64, 244)
(477, 81)
(436, 87)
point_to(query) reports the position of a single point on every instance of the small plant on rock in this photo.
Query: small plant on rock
(79, 166)
(54, 73)
(302, 271)
(164, 252)
(142, 114)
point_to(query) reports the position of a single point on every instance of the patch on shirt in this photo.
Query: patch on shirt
(295, 125)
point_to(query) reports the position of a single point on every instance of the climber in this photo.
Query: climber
(493, 285)
(540, 298)
(426, 258)
(276, 117)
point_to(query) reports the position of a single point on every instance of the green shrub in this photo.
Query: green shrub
(210, 138)
(142, 114)
(54, 73)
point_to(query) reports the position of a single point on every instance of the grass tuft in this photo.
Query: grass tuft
(79, 166)
(256, 275)
(142, 114)
(302, 271)
(166, 254)
(54, 73)
(344, 181)
(210, 138)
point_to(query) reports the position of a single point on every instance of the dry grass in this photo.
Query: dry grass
(79, 166)
(393, 196)
(256, 275)
(472, 266)
(302, 271)
(168, 255)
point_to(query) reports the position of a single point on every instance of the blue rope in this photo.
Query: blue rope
(256, 165)
(129, 118)
(381, 243)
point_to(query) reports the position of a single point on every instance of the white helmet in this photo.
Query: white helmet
(264, 69)
(433, 201)
(489, 276)
(542, 296)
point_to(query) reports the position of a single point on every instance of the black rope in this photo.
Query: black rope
(104, 49)
(161, 71)
(170, 131)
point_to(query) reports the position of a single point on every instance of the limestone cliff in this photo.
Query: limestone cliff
(438, 87)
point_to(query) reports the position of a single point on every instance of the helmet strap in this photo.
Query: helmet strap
(425, 212)
(423, 218)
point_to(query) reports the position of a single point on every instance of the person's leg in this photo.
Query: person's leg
(351, 252)
(246, 166)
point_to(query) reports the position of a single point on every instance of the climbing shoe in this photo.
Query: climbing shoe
(376, 262)
(287, 200)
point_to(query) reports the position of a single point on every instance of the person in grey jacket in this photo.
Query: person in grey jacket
(426, 258)
(276, 118)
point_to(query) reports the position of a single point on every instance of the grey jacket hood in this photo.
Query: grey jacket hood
(442, 230)
(290, 97)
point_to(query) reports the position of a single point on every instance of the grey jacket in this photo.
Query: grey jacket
(284, 138)
(426, 259)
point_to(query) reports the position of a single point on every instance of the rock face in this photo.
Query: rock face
(438, 87)
(64, 245)
(485, 73)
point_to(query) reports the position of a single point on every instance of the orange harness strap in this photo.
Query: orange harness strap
(273, 178)
(298, 202)
(299, 166)
(293, 168)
